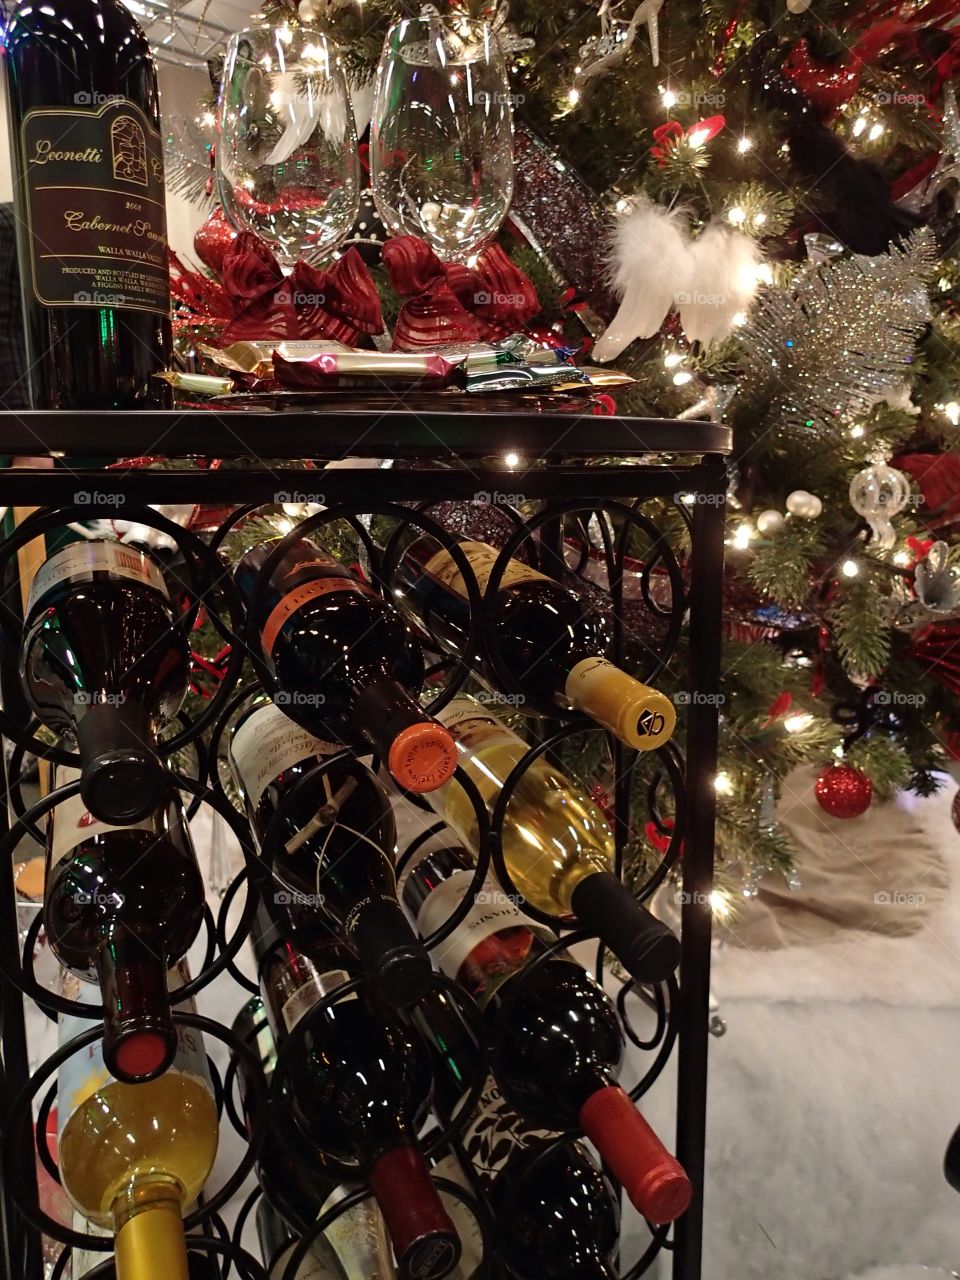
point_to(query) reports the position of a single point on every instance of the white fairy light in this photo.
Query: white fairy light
(798, 722)
(849, 568)
(723, 784)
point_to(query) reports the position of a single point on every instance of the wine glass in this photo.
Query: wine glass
(441, 153)
(288, 166)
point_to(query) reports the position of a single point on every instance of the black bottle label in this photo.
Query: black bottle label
(93, 177)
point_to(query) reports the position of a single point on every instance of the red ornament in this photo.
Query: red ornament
(778, 707)
(213, 239)
(842, 791)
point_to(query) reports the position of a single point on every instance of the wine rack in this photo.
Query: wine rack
(439, 457)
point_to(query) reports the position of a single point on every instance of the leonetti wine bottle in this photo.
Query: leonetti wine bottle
(557, 844)
(551, 639)
(556, 1041)
(336, 843)
(133, 1155)
(84, 112)
(103, 659)
(121, 906)
(347, 665)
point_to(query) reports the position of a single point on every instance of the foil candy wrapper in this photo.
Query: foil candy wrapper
(524, 377)
(360, 368)
(199, 384)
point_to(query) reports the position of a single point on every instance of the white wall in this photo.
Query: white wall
(181, 89)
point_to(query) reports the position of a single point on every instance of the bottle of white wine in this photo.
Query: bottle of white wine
(133, 1155)
(557, 844)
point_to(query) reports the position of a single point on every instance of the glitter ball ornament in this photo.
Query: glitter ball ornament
(804, 505)
(213, 239)
(878, 493)
(842, 791)
(770, 521)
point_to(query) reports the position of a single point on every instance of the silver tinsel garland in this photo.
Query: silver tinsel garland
(839, 335)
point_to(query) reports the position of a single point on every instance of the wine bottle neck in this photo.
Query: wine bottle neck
(139, 1039)
(148, 1217)
(121, 778)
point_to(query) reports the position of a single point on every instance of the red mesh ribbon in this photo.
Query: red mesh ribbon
(453, 302)
(937, 648)
(339, 304)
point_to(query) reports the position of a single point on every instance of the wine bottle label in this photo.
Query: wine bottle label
(267, 743)
(495, 1132)
(96, 221)
(358, 1239)
(312, 992)
(491, 912)
(311, 1268)
(82, 561)
(462, 1217)
(85, 1072)
(472, 725)
(288, 605)
(481, 557)
(72, 823)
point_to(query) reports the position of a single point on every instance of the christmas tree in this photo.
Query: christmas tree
(778, 185)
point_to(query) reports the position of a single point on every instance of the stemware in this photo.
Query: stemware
(288, 165)
(441, 153)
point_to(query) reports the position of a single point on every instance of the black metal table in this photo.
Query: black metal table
(468, 455)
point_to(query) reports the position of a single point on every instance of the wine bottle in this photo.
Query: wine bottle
(121, 906)
(85, 1264)
(299, 1183)
(103, 659)
(360, 1089)
(277, 1246)
(347, 666)
(84, 111)
(335, 843)
(557, 1216)
(131, 1156)
(560, 1196)
(550, 639)
(557, 843)
(557, 1044)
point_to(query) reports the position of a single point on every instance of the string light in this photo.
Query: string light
(797, 723)
(697, 137)
(744, 144)
(849, 568)
(719, 903)
(952, 411)
(682, 378)
(723, 784)
(738, 319)
(857, 431)
(759, 219)
(902, 558)
(512, 459)
(859, 125)
(573, 97)
(736, 215)
(672, 359)
(668, 98)
(875, 131)
(742, 535)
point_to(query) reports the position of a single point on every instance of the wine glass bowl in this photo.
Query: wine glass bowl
(288, 166)
(441, 154)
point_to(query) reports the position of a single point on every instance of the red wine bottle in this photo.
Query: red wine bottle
(557, 1216)
(557, 1044)
(84, 113)
(551, 639)
(346, 664)
(299, 1185)
(121, 906)
(360, 1090)
(103, 659)
(335, 842)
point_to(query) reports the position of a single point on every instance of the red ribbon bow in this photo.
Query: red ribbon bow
(452, 302)
(667, 137)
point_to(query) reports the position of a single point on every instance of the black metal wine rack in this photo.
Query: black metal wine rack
(573, 468)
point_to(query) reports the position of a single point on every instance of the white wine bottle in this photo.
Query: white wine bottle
(133, 1155)
(557, 844)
